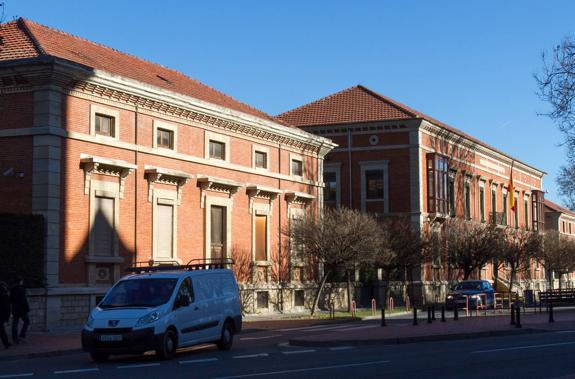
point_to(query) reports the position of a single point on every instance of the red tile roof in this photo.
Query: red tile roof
(360, 104)
(557, 208)
(27, 39)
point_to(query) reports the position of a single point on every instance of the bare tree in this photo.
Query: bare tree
(517, 249)
(556, 83)
(556, 255)
(470, 246)
(401, 249)
(338, 238)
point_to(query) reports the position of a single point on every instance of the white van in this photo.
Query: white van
(164, 308)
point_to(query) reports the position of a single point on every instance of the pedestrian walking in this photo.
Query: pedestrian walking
(5, 308)
(20, 310)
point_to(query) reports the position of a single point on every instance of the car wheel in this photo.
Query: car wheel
(168, 346)
(227, 339)
(99, 357)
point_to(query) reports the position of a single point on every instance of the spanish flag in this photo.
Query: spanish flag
(511, 190)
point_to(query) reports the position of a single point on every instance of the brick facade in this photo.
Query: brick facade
(63, 169)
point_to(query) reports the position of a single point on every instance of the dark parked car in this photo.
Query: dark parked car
(474, 290)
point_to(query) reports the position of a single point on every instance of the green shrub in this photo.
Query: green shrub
(22, 248)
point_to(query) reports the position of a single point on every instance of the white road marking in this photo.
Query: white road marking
(139, 366)
(259, 338)
(251, 356)
(524, 347)
(199, 361)
(312, 328)
(358, 328)
(305, 369)
(76, 371)
(17, 375)
(299, 351)
(339, 348)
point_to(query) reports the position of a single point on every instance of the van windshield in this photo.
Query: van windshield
(139, 293)
(469, 286)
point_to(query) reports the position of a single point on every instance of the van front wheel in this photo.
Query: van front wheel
(227, 339)
(168, 346)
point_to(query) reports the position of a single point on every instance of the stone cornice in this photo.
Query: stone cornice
(451, 136)
(76, 78)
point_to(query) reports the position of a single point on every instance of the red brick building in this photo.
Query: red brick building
(561, 220)
(130, 161)
(392, 160)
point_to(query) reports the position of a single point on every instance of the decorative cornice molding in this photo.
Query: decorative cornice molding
(165, 176)
(210, 183)
(256, 191)
(105, 166)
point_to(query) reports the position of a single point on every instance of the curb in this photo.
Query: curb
(46, 354)
(415, 339)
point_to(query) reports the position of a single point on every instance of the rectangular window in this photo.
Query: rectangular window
(374, 184)
(537, 206)
(467, 196)
(299, 298)
(526, 213)
(262, 299)
(105, 125)
(104, 228)
(516, 212)
(261, 238)
(261, 159)
(164, 230)
(452, 206)
(330, 189)
(437, 183)
(296, 167)
(217, 231)
(505, 206)
(494, 206)
(217, 150)
(482, 204)
(165, 138)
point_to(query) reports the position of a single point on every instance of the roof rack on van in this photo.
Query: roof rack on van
(193, 264)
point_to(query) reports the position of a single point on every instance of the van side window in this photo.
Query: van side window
(186, 290)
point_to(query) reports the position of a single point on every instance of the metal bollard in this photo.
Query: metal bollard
(382, 316)
(518, 316)
(512, 315)
(443, 313)
(455, 312)
(433, 312)
(414, 315)
(551, 318)
(429, 315)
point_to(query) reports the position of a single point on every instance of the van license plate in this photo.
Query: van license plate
(110, 337)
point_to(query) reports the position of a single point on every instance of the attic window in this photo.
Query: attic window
(164, 79)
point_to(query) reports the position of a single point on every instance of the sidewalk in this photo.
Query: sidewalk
(64, 343)
(403, 331)
(364, 333)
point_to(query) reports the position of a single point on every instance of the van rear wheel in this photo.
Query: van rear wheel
(168, 346)
(227, 339)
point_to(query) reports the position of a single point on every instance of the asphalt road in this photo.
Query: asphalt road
(265, 354)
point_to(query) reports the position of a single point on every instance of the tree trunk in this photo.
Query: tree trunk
(512, 277)
(348, 290)
(318, 292)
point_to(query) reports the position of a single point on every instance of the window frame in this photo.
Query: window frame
(336, 170)
(112, 125)
(482, 202)
(369, 166)
(224, 139)
(223, 202)
(296, 158)
(165, 197)
(161, 125)
(260, 150)
(107, 112)
(437, 168)
(261, 210)
(214, 143)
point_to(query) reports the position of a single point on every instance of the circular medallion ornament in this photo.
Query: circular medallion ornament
(373, 140)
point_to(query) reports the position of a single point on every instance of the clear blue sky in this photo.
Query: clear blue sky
(469, 64)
